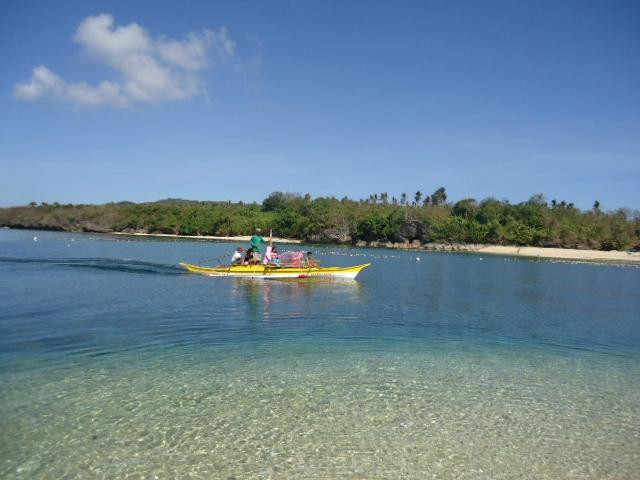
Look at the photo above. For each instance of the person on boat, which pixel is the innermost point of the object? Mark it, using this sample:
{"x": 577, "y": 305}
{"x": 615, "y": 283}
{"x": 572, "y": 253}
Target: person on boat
{"x": 268, "y": 254}
{"x": 256, "y": 245}
{"x": 236, "y": 259}
{"x": 311, "y": 261}
{"x": 248, "y": 258}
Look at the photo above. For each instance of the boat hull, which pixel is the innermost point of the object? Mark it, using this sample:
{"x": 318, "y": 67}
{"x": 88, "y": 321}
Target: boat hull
{"x": 274, "y": 271}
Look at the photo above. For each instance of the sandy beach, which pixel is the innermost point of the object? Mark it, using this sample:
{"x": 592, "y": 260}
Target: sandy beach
{"x": 561, "y": 253}
{"x": 568, "y": 254}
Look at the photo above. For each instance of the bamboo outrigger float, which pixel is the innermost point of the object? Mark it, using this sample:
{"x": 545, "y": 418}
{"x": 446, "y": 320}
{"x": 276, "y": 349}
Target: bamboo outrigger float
{"x": 275, "y": 271}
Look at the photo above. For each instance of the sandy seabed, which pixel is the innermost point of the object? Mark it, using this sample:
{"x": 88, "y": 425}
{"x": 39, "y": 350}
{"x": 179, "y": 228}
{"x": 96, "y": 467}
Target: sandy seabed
{"x": 446, "y": 414}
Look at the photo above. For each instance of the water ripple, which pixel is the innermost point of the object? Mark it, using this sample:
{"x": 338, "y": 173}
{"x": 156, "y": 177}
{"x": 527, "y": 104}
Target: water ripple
{"x": 108, "y": 264}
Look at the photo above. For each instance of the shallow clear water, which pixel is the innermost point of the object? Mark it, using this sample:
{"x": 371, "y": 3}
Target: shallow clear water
{"x": 114, "y": 363}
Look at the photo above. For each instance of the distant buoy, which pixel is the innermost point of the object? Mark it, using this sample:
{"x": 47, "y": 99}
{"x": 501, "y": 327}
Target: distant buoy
{"x": 35, "y": 239}
{"x": 480, "y": 258}
{"x": 417, "y": 259}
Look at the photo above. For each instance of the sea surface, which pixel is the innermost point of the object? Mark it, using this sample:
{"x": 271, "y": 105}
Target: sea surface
{"x": 116, "y": 363}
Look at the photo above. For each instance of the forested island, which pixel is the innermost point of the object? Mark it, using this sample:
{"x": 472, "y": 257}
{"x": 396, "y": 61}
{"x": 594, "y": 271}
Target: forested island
{"x": 376, "y": 221}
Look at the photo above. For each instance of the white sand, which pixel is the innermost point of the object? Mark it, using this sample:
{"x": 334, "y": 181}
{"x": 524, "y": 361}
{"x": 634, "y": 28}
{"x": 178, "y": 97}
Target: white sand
{"x": 560, "y": 253}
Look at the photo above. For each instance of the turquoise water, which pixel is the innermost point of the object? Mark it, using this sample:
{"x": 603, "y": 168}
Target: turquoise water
{"x": 114, "y": 363}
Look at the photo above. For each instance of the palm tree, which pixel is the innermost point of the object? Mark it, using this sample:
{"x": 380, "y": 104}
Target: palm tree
{"x": 418, "y": 197}
{"x": 403, "y": 199}
{"x": 439, "y": 197}
{"x": 385, "y": 198}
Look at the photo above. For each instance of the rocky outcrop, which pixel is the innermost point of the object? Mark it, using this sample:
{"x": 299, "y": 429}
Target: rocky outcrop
{"x": 412, "y": 230}
{"x": 93, "y": 227}
{"x": 453, "y": 247}
{"x": 551, "y": 244}
{"x": 331, "y": 235}
{"x": 32, "y": 226}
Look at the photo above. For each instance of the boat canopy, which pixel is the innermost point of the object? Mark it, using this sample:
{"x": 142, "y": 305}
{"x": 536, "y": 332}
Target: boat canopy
{"x": 292, "y": 259}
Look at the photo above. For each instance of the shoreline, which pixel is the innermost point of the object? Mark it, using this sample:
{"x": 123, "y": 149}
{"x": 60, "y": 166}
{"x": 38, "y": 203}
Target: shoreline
{"x": 546, "y": 253}
{"x": 237, "y": 238}
{"x": 542, "y": 253}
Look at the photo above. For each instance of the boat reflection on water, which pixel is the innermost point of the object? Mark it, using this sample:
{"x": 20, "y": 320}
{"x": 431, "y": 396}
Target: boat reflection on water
{"x": 282, "y": 298}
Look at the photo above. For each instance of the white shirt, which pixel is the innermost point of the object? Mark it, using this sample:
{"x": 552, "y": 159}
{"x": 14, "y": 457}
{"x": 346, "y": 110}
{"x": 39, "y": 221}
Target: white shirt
{"x": 267, "y": 255}
{"x": 236, "y": 256}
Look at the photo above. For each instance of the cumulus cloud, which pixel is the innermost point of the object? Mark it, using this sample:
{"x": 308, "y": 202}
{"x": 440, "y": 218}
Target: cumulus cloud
{"x": 148, "y": 69}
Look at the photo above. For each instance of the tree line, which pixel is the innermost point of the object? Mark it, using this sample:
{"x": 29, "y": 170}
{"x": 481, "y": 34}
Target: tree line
{"x": 416, "y": 219}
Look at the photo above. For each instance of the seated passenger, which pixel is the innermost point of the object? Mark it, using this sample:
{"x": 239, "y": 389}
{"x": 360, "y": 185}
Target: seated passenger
{"x": 311, "y": 261}
{"x": 236, "y": 259}
{"x": 275, "y": 258}
{"x": 268, "y": 254}
{"x": 248, "y": 258}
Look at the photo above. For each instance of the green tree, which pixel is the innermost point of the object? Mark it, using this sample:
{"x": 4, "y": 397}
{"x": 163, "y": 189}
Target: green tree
{"x": 537, "y": 199}
{"x": 439, "y": 197}
{"x": 465, "y": 208}
{"x": 274, "y": 202}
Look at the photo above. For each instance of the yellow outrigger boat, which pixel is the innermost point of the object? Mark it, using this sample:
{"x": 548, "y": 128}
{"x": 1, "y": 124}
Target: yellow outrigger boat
{"x": 275, "y": 271}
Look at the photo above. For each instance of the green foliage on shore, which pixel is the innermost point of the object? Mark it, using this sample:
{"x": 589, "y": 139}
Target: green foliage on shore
{"x": 426, "y": 218}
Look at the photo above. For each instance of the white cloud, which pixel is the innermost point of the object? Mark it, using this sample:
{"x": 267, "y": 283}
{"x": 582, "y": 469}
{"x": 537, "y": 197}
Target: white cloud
{"x": 148, "y": 69}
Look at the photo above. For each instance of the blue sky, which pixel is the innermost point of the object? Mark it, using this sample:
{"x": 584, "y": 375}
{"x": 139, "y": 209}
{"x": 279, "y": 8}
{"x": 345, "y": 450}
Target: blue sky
{"x": 230, "y": 101}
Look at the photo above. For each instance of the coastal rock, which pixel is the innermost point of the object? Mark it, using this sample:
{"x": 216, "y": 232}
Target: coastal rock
{"x": 361, "y": 243}
{"x": 95, "y": 228}
{"x": 32, "y": 226}
{"x": 450, "y": 247}
{"x": 412, "y": 230}
{"x": 551, "y": 244}
{"x": 331, "y": 235}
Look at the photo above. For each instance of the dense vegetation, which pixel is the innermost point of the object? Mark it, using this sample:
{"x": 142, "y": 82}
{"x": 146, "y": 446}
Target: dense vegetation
{"x": 422, "y": 219}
